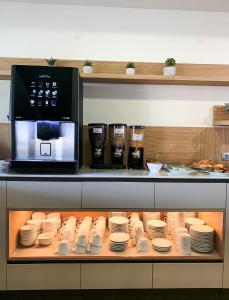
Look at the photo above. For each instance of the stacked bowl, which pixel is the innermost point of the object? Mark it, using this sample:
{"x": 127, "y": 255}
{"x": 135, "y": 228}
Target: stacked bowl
{"x": 28, "y": 235}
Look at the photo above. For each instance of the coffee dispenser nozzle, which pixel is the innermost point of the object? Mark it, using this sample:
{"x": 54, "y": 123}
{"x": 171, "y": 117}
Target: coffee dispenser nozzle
{"x": 48, "y": 130}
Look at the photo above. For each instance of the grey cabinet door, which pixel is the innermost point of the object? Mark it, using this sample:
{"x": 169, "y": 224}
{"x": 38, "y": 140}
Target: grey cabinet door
{"x": 2, "y": 235}
{"x": 118, "y": 195}
{"x": 43, "y": 276}
{"x": 116, "y": 276}
{"x": 169, "y": 195}
{"x": 43, "y": 194}
{"x": 187, "y": 275}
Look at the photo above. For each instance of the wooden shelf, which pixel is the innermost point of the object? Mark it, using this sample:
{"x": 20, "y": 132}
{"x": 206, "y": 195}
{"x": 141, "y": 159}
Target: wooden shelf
{"x": 153, "y": 79}
{"x": 146, "y": 73}
{"x": 48, "y": 253}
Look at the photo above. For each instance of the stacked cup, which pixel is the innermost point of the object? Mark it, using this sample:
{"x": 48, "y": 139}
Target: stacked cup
{"x": 183, "y": 240}
{"x": 67, "y": 231}
{"x": 49, "y": 225}
{"x": 97, "y": 235}
{"x": 36, "y": 223}
{"x": 28, "y": 235}
{"x": 133, "y": 219}
{"x": 82, "y": 235}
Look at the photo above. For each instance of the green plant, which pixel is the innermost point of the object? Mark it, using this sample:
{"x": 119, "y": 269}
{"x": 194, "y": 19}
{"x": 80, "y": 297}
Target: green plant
{"x": 170, "y": 62}
{"x": 130, "y": 65}
{"x": 51, "y": 61}
{"x": 88, "y": 63}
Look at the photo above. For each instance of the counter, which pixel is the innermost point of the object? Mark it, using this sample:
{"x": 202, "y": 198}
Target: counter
{"x": 95, "y": 191}
{"x": 115, "y": 175}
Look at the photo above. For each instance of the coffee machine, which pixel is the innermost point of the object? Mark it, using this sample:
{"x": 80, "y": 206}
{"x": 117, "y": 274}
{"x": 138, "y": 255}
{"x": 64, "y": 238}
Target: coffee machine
{"x": 46, "y": 113}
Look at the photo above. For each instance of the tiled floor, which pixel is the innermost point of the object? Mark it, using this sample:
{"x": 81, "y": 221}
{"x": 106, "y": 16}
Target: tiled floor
{"x": 196, "y": 294}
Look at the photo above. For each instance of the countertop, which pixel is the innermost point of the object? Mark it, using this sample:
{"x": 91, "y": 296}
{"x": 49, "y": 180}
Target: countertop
{"x": 115, "y": 175}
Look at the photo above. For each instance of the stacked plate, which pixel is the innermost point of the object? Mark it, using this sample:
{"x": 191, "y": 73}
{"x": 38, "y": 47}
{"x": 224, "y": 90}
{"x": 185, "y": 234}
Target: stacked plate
{"x": 156, "y": 229}
{"x": 28, "y": 235}
{"x": 150, "y": 215}
{"x": 192, "y": 221}
{"x": 161, "y": 245}
{"x": 118, "y": 241}
{"x": 118, "y": 224}
{"x": 202, "y": 237}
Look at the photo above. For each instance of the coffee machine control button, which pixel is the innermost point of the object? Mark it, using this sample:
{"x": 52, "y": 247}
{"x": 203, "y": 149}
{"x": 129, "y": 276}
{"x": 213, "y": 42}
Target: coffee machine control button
{"x": 32, "y": 102}
{"x": 54, "y": 93}
{"x": 40, "y": 93}
{"x": 47, "y": 93}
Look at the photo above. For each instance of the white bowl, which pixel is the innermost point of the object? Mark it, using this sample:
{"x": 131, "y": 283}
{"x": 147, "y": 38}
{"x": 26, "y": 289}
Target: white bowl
{"x": 45, "y": 238}
{"x": 39, "y": 215}
{"x": 53, "y": 215}
{"x": 154, "y": 167}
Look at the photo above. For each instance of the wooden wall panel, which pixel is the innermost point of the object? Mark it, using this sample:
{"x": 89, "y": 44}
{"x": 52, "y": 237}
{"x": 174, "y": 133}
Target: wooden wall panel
{"x": 171, "y": 144}
{"x": 5, "y": 137}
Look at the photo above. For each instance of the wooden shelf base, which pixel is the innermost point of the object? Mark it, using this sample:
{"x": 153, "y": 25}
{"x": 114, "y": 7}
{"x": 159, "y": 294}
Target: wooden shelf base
{"x": 47, "y": 253}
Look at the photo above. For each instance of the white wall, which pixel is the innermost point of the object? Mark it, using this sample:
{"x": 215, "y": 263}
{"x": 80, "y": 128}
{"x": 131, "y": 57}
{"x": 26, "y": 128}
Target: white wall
{"x": 123, "y": 34}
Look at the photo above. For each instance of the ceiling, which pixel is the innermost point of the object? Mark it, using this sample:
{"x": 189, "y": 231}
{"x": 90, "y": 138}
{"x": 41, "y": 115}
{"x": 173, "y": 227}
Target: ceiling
{"x": 198, "y": 5}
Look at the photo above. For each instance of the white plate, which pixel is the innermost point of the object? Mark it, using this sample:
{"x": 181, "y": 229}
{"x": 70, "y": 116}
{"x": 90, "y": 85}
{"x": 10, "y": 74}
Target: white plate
{"x": 119, "y": 237}
{"x": 161, "y": 243}
{"x": 217, "y": 174}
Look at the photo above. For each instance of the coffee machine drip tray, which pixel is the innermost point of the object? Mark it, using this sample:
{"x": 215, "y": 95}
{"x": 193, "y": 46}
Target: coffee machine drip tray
{"x": 47, "y": 166}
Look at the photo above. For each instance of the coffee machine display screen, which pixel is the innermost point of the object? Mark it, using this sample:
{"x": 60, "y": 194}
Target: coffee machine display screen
{"x": 42, "y": 93}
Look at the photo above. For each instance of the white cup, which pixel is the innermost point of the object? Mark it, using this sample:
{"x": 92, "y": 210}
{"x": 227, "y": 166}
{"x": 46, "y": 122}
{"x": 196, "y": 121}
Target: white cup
{"x": 80, "y": 249}
{"x": 70, "y": 221}
{"x": 38, "y": 215}
{"x": 53, "y": 215}
{"x": 95, "y": 249}
{"x": 82, "y": 240}
{"x": 64, "y": 247}
{"x": 96, "y": 238}
{"x": 143, "y": 245}
{"x": 4, "y": 166}
{"x": 67, "y": 233}
{"x": 116, "y": 213}
{"x": 184, "y": 243}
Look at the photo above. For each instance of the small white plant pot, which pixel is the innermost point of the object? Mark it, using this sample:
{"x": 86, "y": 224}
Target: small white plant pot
{"x": 130, "y": 71}
{"x": 88, "y": 69}
{"x": 169, "y": 71}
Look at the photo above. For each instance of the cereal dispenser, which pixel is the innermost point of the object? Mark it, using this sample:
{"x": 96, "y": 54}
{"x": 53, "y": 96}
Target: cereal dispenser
{"x": 136, "y": 147}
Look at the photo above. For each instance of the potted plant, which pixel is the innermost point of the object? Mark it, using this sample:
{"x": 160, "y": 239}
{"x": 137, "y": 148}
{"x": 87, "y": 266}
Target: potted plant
{"x": 88, "y": 67}
{"x": 170, "y": 67}
{"x": 130, "y": 68}
{"x": 51, "y": 61}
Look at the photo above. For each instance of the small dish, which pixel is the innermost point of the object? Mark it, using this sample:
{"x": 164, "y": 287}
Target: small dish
{"x": 154, "y": 167}
{"x": 45, "y": 238}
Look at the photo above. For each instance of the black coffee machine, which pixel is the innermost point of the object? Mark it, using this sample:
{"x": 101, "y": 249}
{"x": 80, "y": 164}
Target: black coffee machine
{"x": 46, "y": 113}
